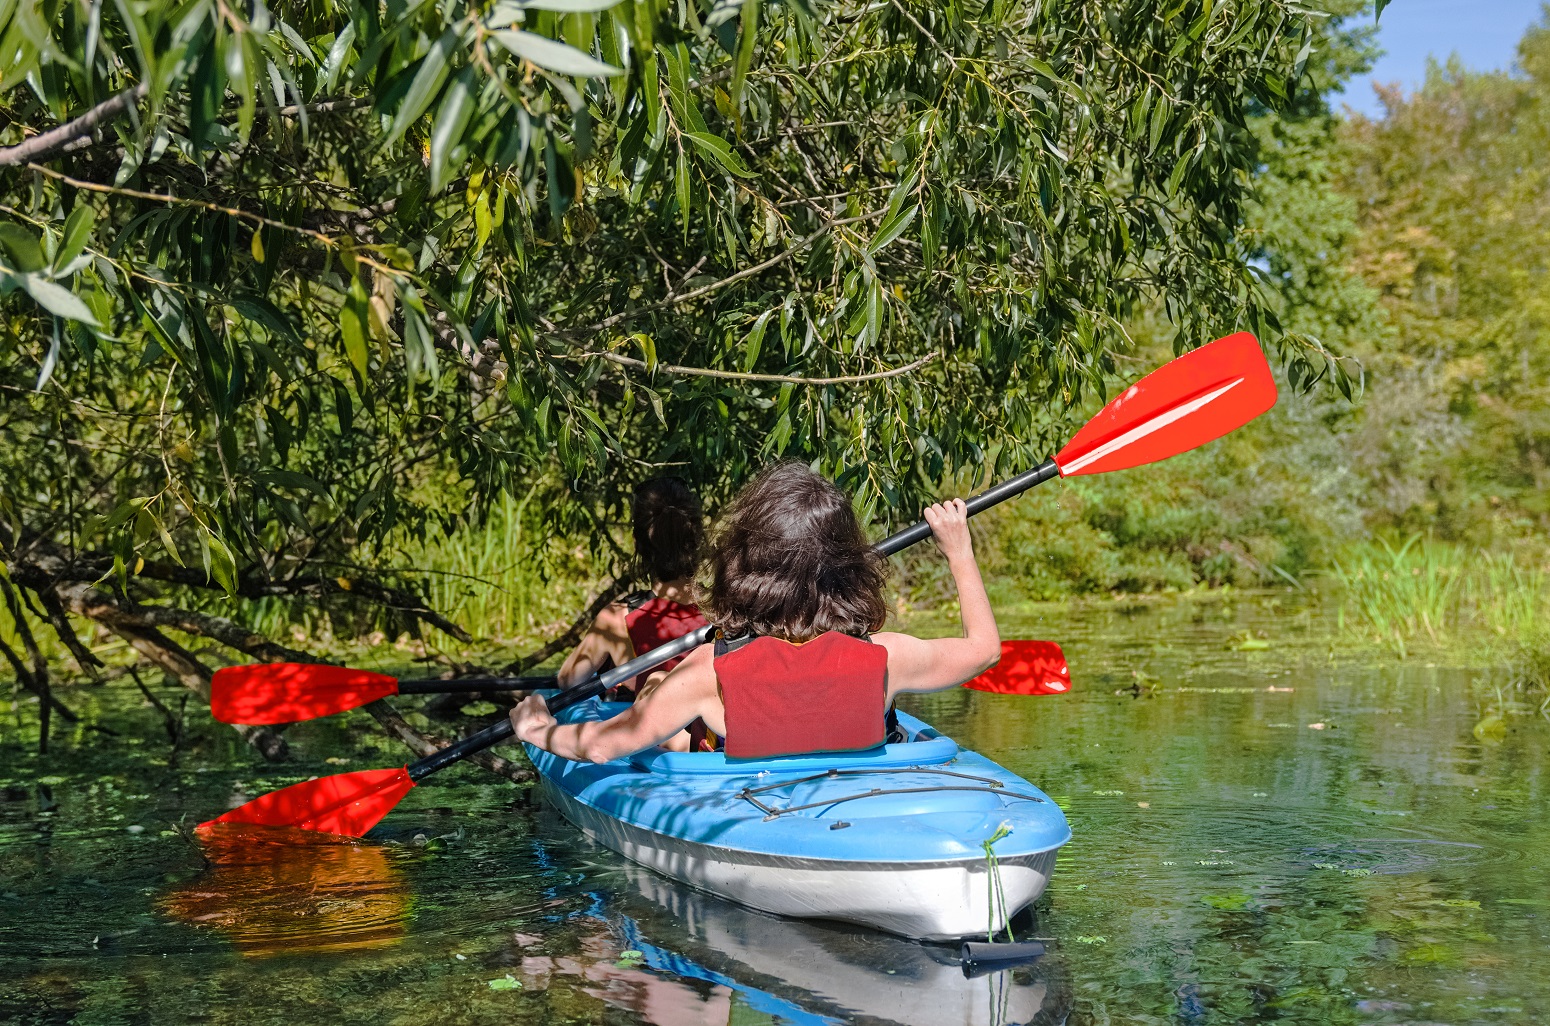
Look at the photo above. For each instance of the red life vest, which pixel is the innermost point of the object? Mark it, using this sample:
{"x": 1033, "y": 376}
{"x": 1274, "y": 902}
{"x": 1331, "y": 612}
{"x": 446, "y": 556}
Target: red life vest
{"x": 829, "y": 695}
{"x": 654, "y": 621}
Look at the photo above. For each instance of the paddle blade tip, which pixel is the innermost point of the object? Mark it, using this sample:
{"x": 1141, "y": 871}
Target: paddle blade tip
{"x": 1026, "y": 668}
{"x": 1187, "y": 402}
{"x": 262, "y": 694}
{"x": 346, "y": 804}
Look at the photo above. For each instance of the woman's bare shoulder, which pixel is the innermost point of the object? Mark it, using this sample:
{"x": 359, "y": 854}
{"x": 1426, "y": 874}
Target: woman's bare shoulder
{"x": 700, "y": 662}
{"x": 693, "y": 678}
{"x": 612, "y": 617}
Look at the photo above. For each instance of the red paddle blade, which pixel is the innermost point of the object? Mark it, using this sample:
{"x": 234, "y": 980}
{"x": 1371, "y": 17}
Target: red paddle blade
{"x": 1183, "y": 404}
{"x": 348, "y": 804}
{"x": 291, "y": 692}
{"x": 1026, "y": 668}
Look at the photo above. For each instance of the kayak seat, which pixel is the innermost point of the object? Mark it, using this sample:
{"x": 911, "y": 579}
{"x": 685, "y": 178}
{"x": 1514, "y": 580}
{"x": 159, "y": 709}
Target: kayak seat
{"x": 931, "y": 752}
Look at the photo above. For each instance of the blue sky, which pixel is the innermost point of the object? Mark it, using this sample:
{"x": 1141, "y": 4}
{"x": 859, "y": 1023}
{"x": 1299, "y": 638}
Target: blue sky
{"x": 1484, "y": 33}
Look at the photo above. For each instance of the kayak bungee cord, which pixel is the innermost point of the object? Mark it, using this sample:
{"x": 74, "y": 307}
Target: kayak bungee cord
{"x": 773, "y": 813}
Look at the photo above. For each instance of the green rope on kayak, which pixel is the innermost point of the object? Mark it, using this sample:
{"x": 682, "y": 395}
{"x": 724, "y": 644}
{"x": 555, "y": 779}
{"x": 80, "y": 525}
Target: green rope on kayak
{"x": 996, "y": 894}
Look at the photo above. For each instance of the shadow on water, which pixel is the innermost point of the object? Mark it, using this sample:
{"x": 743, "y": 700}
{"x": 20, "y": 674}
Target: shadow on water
{"x": 1277, "y": 832}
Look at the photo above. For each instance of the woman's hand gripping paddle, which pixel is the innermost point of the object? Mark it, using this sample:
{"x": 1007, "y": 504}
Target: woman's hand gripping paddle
{"x": 266, "y": 693}
{"x": 1186, "y": 403}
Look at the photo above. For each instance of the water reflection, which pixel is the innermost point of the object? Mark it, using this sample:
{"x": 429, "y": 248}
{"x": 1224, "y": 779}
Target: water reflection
{"x": 273, "y": 891}
{"x": 705, "y": 958}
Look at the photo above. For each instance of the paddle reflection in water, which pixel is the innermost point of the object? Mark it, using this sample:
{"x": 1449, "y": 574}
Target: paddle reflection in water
{"x": 704, "y": 957}
{"x": 279, "y": 891}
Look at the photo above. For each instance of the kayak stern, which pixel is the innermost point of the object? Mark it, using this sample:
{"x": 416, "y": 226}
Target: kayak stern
{"x": 942, "y": 901}
{"x": 894, "y": 838}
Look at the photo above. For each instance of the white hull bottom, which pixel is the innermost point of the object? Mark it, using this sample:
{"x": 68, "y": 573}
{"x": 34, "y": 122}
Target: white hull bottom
{"x": 938, "y": 901}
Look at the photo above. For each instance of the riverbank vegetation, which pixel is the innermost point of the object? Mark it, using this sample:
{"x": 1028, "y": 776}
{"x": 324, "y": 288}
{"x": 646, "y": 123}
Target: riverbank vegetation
{"x": 361, "y": 331}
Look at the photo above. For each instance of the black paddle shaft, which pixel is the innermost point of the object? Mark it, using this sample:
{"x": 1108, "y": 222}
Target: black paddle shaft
{"x": 471, "y": 685}
{"x": 595, "y": 685}
{"x": 1008, "y": 489}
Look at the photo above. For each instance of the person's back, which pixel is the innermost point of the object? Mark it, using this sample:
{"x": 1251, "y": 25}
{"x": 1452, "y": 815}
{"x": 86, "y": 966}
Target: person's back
{"x": 668, "y": 530}
{"x": 802, "y": 666}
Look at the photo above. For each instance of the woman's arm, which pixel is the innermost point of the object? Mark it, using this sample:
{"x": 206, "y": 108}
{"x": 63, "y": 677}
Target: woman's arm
{"x": 915, "y": 664}
{"x": 607, "y": 638}
{"x": 683, "y": 695}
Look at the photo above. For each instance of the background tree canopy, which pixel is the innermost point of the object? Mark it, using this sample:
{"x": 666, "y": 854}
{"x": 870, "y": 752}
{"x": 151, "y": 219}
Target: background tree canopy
{"x": 287, "y": 286}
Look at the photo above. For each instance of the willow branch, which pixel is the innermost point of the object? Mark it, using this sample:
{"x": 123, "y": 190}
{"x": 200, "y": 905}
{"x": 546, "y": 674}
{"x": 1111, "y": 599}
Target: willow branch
{"x": 163, "y": 197}
{"x": 218, "y": 628}
{"x": 175, "y": 660}
{"x": 747, "y": 272}
{"x": 48, "y": 570}
{"x": 47, "y": 145}
{"x": 572, "y": 636}
{"x": 788, "y": 379}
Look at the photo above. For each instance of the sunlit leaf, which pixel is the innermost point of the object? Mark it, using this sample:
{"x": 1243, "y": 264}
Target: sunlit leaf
{"x": 553, "y": 55}
{"x": 57, "y": 299}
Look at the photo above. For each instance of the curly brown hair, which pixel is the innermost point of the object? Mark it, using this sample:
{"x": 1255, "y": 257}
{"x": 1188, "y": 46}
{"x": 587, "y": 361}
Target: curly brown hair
{"x": 790, "y": 560}
{"x": 669, "y": 528}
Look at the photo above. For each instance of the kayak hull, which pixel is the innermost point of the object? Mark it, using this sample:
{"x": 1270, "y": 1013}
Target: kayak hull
{"x": 892, "y": 840}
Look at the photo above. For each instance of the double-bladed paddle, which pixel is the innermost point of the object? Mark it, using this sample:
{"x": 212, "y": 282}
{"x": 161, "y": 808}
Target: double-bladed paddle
{"x": 269, "y": 693}
{"x": 1186, "y": 403}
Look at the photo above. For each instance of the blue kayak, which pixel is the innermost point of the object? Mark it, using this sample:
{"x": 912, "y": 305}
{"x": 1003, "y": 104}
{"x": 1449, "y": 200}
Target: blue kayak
{"x": 892, "y": 838}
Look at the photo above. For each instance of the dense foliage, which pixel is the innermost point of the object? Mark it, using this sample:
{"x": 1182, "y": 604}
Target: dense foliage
{"x": 1417, "y": 244}
{"x": 293, "y": 283}
{"x": 1455, "y": 233}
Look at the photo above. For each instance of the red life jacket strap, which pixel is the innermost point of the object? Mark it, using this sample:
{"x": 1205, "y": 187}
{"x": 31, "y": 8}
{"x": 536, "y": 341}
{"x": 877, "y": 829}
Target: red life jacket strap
{"x": 829, "y": 695}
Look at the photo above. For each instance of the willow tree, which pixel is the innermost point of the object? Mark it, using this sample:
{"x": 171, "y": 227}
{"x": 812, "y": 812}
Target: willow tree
{"x": 285, "y": 283}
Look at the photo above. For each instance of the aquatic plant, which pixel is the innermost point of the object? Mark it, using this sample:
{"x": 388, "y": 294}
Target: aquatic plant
{"x": 1446, "y": 595}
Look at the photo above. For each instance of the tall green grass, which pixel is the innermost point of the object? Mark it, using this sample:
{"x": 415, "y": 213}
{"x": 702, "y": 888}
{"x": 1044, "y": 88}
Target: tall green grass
{"x": 507, "y": 580}
{"x": 1423, "y": 592}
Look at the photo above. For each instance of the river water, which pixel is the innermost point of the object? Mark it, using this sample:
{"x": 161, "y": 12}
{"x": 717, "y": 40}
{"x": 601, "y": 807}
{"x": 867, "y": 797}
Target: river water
{"x": 1269, "y": 827}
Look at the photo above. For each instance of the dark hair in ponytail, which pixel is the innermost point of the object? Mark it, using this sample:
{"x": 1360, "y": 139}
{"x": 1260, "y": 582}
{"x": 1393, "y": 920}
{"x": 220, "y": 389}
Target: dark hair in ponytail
{"x": 790, "y": 560}
{"x": 669, "y": 528}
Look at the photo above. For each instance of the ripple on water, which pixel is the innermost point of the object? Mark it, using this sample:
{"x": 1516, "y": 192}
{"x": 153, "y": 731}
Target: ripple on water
{"x": 1264, "y": 833}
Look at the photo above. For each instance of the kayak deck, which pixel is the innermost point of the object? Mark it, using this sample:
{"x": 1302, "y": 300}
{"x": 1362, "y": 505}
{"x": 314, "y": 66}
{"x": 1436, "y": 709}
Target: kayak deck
{"x": 892, "y": 838}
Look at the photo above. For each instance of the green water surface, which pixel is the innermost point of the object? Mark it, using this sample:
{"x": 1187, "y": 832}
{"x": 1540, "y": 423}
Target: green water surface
{"x": 1282, "y": 830}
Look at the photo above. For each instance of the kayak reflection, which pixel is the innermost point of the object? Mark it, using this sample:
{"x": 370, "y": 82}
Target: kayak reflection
{"x": 675, "y": 956}
{"x": 832, "y": 973}
{"x": 280, "y": 891}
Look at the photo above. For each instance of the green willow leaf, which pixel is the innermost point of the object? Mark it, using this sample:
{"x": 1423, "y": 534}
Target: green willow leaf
{"x": 457, "y": 108}
{"x": 353, "y": 327}
{"x": 508, "y": 11}
{"x": 278, "y": 476}
{"x": 426, "y": 84}
{"x": 57, "y": 299}
{"x": 717, "y": 149}
{"x": 78, "y": 228}
{"x": 333, "y": 64}
{"x": 223, "y": 566}
{"x": 552, "y": 55}
{"x": 892, "y": 228}
{"x": 20, "y": 248}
